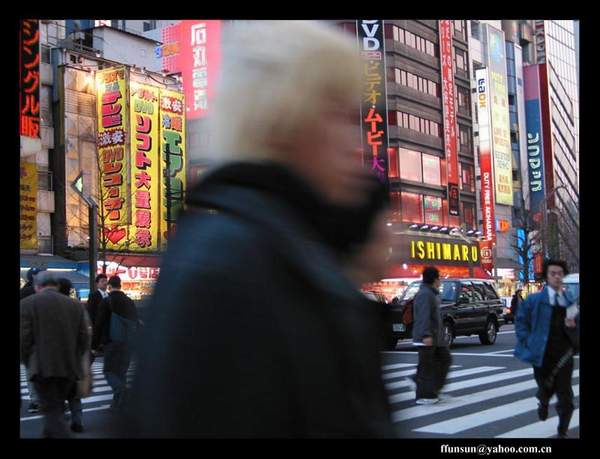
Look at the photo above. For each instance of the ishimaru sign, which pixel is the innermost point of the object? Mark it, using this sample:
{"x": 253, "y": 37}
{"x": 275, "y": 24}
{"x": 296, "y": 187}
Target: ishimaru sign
{"x": 374, "y": 97}
{"x": 436, "y": 251}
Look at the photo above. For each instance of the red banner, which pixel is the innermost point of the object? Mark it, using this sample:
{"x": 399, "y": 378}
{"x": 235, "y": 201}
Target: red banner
{"x": 449, "y": 107}
{"x": 29, "y": 82}
{"x": 200, "y": 59}
{"x": 487, "y": 255}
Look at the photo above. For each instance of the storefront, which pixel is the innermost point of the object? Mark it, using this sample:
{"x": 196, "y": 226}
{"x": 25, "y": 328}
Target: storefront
{"x": 138, "y": 273}
{"x": 413, "y": 252}
{"x": 60, "y": 267}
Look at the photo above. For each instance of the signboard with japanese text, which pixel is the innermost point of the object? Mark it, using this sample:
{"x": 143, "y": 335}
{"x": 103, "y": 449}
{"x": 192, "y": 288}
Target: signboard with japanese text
{"x": 28, "y": 188}
{"x": 113, "y": 154}
{"x": 449, "y": 109}
{"x": 173, "y": 157}
{"x": 535, "y": 140}
{"x": 170, "y": 50}
{"x": 200, "y": 60}
{"x": 145, "y": 167}
{"x": 29, "y": 80}
{"x": 501, "y": 146}
{"x": 485, "y": 156}
{"x": 540, "y": 41}
{"x": 374, "y": 118}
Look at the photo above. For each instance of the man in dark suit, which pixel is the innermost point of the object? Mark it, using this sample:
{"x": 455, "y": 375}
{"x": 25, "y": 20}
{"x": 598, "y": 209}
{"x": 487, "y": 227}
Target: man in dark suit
{"x": 55, "y": 332}
{"x": 96, "y": 298}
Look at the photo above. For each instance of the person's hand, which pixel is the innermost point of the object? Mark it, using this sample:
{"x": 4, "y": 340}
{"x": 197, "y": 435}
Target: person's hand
{"x": 570, "y": 323}
{"x": 428, "y": 341}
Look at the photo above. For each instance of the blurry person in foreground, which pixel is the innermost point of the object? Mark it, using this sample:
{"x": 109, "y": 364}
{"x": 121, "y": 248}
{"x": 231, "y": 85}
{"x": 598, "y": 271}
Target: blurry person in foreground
{"x": 257, "y": 327}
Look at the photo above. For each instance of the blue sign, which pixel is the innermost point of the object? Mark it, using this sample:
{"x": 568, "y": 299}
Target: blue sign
{"x": 522, "y": 241}
{"x": 535, "y": 154}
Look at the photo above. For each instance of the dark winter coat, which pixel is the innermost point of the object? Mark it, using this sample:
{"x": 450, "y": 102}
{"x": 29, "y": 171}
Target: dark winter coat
{"x": 55, "y": 333}
{"x": 27, "y": 290}
{"x": 93, "y": 304}
{"x": 427, "y": 316}
{"x": 253, "y": 330}
{"x": 118, "y": 303}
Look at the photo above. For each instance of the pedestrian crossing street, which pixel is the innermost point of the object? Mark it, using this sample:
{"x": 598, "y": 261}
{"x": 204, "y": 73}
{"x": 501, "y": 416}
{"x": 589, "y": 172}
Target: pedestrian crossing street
{"x": 99, "y": 399}
{"x": 483, "y": 401}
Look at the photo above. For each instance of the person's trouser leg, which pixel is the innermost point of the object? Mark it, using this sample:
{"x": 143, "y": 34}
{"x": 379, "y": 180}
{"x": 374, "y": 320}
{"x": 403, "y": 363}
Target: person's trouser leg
{"x": 443, "y": 361}
{"x": 33, "y": 397}
{"x": 544, "y": 392}
{"x": 76, "y": 411}
{"x": 564, "y": 394}
{"x": 116, "y": 362}
{"x": 52, "y": 394}
{"x": 425, "y": 373}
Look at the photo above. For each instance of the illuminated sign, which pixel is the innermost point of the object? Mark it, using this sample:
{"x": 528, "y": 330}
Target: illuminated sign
{"x": 485, "y": 156}
{"x": 29, "y": 81}
{"x": 502, "y": 226}
{"x": 170, "y": 50}
{"x": 113, "y": 155}
{"x": 129, "y": 273}
{"x": 498, "y": 102}
{"x": 540, "y": 41}
{"x": 28, "y": 189}
{"x": 145, "y": 167}
{"x": 433, "y": 250}
{"x": 449, "y": 109}
{"x": 487, "y": 255}
{"x": 374, "y": 98}
{"x": 173, "y": 157}
{"x": 200, "y": 60}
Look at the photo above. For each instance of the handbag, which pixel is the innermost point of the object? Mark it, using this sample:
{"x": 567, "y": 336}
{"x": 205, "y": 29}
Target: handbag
{"x": 83, "y": 387}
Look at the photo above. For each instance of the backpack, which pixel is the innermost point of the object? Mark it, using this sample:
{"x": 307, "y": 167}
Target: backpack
{"x": 121, "y": 329}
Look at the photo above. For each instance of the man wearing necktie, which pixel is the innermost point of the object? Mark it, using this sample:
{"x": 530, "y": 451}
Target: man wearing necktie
{"x": 545, "y": 339}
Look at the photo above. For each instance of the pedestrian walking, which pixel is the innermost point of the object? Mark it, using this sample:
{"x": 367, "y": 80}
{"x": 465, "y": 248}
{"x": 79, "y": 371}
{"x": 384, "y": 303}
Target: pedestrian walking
{"x": 428, "y": 336}
{"x": 54, "y": 338}
{"x": 516, "y": 301}
{"x": 97, "y": 296}
{"x": 74, "y": 403}
{"x": 547, "y": 337}
{"x": 115, "y": 329}
{"x": 256, "y": 327}
{"x": 28, "y": 290}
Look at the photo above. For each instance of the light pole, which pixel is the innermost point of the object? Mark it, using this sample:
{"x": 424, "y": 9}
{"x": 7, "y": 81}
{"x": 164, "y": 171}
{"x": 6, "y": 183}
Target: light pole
{"x": 457, "y": 232}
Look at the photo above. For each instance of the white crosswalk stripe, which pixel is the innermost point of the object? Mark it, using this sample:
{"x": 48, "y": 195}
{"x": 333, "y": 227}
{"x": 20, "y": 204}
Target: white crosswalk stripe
{"x": 460, "y": 413}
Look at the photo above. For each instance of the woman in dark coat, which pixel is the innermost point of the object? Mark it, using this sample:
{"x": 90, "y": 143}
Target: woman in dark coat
{"x": 257, "y": 327}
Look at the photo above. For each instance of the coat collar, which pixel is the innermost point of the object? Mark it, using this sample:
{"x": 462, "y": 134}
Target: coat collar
{"x": 546, "y": 297}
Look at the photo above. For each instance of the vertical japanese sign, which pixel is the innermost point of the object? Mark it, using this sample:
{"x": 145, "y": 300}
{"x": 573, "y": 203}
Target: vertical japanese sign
{"x": 29, "y": 81}
{"x": 449, "y": 109}
{"x": 113, "y": 155}
{"x": 200, "y": 60}
{"x": 374, "y": 97}
{"x": 540, "y": 41}
{"x": 501, "y": 147}
{"x": 485, "y": 164}
{"x": 173, "y": 152}
{"x": 145, "y": 167}
{"x": 28, "y": 204}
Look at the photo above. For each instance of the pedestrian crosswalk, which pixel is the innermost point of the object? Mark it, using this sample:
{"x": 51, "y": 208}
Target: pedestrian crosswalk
{"x": 482, "y": 401}
{"x": 101, "y": 392}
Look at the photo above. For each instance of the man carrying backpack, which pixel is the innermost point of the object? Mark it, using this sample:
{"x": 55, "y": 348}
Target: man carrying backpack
{"x": 115, "y": 328}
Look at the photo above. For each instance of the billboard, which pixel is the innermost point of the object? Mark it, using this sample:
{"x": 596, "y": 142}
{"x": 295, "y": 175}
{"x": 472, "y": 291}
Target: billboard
{"x": 540, "y": 41}
{"x": 485, "y": 155}
{"x": 374, "y": 129}
{"x": 145, "y": 167}
{"x": 170, "y": 49}
{"x": 449, "y": 109}
{"x": 29, "y": 80}
{"x": 113, "y": 154}
{"x": 173, "y": 156}
{"x": 498, "y": 102}
{"x": 200, "y": 60}
{"x": 28, "y": 188}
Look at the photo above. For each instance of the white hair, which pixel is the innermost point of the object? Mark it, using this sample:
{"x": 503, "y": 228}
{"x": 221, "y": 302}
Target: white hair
{"x": 276, "y": 78}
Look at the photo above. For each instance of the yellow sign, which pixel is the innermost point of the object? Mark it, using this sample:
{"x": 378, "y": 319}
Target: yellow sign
{"x": 173, "y": 152}
{"x": 443, "y": 251}
{"x": 28, "y": 202}
{"x": 145, "y": 167}
{"x": 113, "y": 156}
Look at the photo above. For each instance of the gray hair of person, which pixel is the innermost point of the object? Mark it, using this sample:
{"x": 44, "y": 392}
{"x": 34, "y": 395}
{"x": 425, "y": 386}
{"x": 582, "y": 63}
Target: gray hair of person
{"x": 277, "y": 78}
{"x": 45, "y": 279}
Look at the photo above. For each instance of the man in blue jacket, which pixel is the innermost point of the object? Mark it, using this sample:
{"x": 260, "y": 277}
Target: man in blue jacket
{"x": 545, "y": 339}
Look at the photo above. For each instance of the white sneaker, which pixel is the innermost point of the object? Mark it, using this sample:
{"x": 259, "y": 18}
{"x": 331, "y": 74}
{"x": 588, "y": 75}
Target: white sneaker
{"x": 427, "y": 401}
{"x": 445, "y": 398}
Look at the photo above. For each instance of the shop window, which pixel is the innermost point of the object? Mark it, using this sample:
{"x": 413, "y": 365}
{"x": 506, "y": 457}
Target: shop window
{"x": 395, "y": 207}
{"x": 431, "y": 170}
{"x": 410, "y": 165}
{"x": 412, "y": 207}
{"x": 433, "y": 210}
{"x": 393, "y": 162}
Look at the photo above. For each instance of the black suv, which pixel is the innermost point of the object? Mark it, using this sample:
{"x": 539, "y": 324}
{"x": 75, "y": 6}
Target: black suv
{"x": 469, "y": 306}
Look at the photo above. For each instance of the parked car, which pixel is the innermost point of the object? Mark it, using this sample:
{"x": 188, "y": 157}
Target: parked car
{"x": 469, "y": 307}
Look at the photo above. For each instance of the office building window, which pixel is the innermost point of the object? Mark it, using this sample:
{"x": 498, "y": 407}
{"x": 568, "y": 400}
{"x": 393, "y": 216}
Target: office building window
{"x": 393, "y": 163}
{"x": 418, "y": 124}
{"x": 459, "y": 29}
{"x": 395, "y": 208}
{"x": 468, "y": 214}
{"x": 467, "y": 177}
{"x": 412, "y": 207}
{"x": 463, "y": 100}
{"x": 415, "y": 82}
{"x": 410, "y": 165}
{"x": 475, "y": 30}
{"x": 465, "y": 140}
{"x": 460, "y": 60}
{"x": 432, "y": 207}
{"x": 393, "y": 32}
{"x": 431, "y": 170}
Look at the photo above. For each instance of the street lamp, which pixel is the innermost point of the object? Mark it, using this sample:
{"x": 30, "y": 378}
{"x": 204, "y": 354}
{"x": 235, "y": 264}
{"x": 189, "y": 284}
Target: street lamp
{"x": 457, "y": 232}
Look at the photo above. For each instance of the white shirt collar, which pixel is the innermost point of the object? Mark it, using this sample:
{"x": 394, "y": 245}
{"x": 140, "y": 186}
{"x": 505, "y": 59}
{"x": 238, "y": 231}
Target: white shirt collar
{"x": 552, "y": 296}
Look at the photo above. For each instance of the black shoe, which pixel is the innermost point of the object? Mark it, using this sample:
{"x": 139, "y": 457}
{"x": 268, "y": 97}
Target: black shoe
{"x": 542, "y": 411}
{"x": 562, "y": 435}
{"x": 33, "y": 408}
{"x": 78, "y": 428}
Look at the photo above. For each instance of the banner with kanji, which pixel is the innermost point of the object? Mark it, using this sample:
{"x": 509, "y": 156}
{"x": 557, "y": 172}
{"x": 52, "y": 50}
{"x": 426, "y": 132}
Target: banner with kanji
{"x": 28, "y": 185}
{"x": 113, "y": 155}
{"x": 374, "y": 118}
{"x": 145, "y": 167}
{"x": 29, "y": 81}
{"x": 173, "y": 153}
